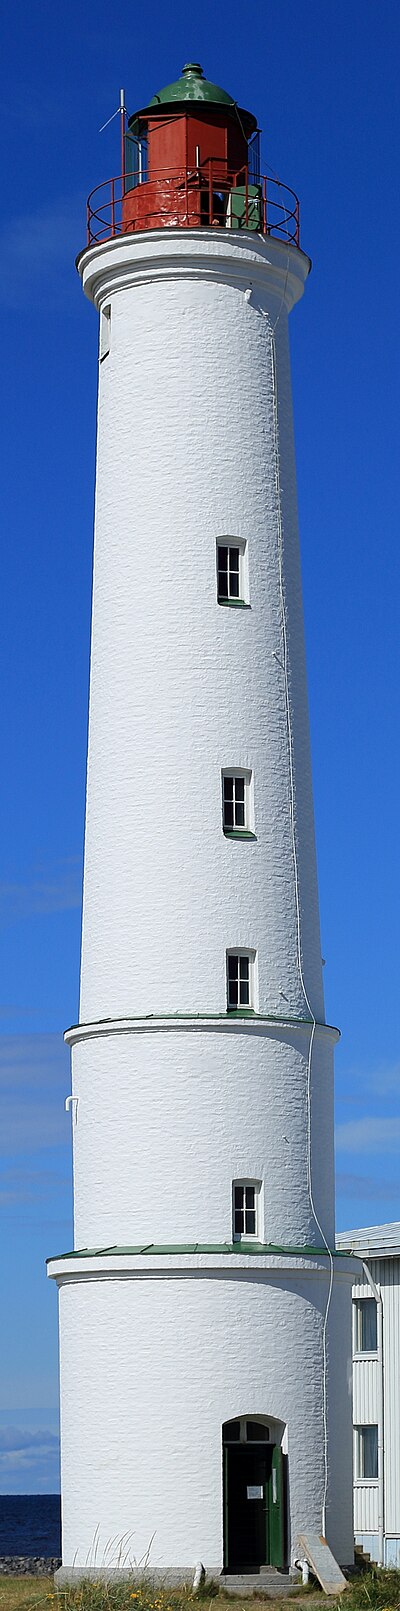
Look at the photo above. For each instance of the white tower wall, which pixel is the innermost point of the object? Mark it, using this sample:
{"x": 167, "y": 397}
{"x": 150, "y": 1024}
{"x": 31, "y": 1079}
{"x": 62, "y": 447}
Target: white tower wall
{"x": 181, "y": 687}
{"x": 179, "y": 1111}
{"x": 174, "y": 1098}
{"x": 144, "y": 1467}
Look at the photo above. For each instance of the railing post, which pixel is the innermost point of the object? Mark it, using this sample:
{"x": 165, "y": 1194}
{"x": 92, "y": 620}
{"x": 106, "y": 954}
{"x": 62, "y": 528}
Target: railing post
{"x": 210, "y": 193}
{"x": 113, "y": 206}
{"x": 247, "y": 197}
{"x": 265, "y": 206}
{"x": 88, "y": 216}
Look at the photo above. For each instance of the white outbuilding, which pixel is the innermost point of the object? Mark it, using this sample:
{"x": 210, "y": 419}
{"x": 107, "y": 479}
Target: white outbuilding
{"x": 376, "y": 1390}
{"x": 204, "y": 1314}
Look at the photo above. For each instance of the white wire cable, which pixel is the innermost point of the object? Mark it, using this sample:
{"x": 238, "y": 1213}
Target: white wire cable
{"x": 298, "y": 921}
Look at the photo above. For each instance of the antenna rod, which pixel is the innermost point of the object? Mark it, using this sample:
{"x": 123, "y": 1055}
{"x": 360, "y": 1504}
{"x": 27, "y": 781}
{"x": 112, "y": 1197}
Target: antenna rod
{"x": 122, "y": 109}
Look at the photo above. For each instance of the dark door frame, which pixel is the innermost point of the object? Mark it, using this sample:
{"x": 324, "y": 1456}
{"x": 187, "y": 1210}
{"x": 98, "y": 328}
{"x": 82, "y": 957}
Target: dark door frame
{"x": 273, "y": 1502}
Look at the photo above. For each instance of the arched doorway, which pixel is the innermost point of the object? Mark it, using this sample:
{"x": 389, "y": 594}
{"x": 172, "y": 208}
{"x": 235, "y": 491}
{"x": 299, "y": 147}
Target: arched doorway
{"x": 253, "y": 1494}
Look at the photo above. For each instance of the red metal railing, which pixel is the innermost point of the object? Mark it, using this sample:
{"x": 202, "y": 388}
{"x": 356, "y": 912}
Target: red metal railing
{"x": 193, "y": 197}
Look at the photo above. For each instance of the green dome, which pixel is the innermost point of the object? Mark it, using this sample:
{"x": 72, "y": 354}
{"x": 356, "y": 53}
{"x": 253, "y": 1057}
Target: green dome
{"x": 192, "y": 86}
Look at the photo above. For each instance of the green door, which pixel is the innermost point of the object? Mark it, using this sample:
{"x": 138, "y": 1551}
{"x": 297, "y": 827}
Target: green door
{"x": 245, "y": 214}
{"x": 246, "y": 1506}
{"x": 275, "y": 1496}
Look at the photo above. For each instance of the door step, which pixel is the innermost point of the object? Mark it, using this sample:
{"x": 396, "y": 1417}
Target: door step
{"x": 268, "y": 1582}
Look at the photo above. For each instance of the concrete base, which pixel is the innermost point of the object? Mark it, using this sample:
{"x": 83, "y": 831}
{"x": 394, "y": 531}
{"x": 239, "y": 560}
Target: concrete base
{"x": 269, "y": 1582}
{"x": 170, "y": 1576}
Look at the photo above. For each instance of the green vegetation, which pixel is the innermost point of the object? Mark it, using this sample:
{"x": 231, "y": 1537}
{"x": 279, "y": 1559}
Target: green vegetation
{"x": 378, "y": 1589}
{"x": 372, "y": 1590}
{"x": 23, "y": 1593}
{"x": 41, "y": 1594}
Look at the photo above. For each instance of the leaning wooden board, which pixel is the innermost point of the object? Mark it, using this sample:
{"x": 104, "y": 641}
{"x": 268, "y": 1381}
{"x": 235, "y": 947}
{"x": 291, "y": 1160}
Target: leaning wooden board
{"x": 316, "y": 1551}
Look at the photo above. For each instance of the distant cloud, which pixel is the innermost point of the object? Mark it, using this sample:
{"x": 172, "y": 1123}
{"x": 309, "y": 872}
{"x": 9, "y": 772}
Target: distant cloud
{"x": 26, "y": 1185}
{"x": 369, "y": 1135}
{"x": 9, "y": 1009}
{"x": 368, "y": 1187}
{"x": 34, "y": 1079}
{"x": 28, "y": 1457}
{"x": 381, "y": 1079}
{"x": 13, "y": 1439}
{"x": 38, "y": 249}
{"x": 49, "y": 890}
{"x": 385, "y": 1080}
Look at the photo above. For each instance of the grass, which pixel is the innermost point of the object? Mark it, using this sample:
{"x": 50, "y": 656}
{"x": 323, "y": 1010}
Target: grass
{"x": 377, "y": 1589}
{"x": 27, "y": 1593}
{"x": 23, "y": 1593}
{"x": 372, "y": 1590}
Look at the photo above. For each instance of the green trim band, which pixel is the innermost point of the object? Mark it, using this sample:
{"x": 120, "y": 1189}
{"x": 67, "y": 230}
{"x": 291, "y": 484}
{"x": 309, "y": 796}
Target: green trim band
{"x": 205, "y": 1017}
{"x": 256, "y": 1249}
{"x": 240, "y": 1019}
{"x": 240, "y": 1012}
{"x": 234, "y": 604}
{"x": 239, "y": 833}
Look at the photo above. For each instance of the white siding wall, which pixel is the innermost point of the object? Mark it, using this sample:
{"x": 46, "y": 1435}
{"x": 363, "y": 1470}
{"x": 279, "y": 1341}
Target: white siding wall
{"x": 365, "y": 1413}
{"x": 386, "y": 1274}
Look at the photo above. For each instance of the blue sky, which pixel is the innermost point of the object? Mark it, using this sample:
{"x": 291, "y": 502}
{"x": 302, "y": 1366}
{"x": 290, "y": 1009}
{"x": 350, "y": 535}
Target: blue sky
{"x": 323, "y": 79}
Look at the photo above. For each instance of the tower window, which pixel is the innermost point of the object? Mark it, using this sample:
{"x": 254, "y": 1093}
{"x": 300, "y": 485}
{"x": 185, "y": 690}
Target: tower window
{"x": 236, "y": 802}
{"x": 367, "y": 1453}
{"x": 231, "y": 572}
{"x": 105, "y": 331}
{"x": 246, "y": 1200}
{"x": 240, "y": 980}
{"x": 243, "y": 1431}
{"x": 228, "y": 573}
{"x": 365, "y": 1326}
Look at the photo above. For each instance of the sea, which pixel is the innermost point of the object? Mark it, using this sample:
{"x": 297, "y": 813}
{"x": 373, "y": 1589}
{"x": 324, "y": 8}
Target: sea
{"x": 30, "y": 1524}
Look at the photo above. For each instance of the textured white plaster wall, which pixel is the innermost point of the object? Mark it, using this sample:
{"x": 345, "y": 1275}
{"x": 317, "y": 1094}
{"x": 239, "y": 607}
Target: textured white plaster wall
{"x": 180, "y": 686}
{"x": 150, "y": 1369}
{"x": 166, "y": 1119}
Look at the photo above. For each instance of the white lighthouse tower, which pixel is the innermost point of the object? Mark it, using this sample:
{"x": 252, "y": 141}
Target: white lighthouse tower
{"x": 204, "y": 1319}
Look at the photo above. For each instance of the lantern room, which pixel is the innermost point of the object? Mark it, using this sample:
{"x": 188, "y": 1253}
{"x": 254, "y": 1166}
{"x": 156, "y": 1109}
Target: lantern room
{"x": 191, "y": 158}
{"x": 185, "y": 154}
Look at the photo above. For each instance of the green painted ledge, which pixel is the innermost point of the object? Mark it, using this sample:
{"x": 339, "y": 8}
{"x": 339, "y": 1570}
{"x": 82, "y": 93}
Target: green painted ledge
{"x": 234, "y": 604}
{"x": 208, "y": 1018}
{"x": 257, "y": 1250}
{"x": 239, "y": 833}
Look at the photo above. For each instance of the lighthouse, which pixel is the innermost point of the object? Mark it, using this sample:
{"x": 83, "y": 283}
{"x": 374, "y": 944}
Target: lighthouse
{"x": 204, "y": 1316}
